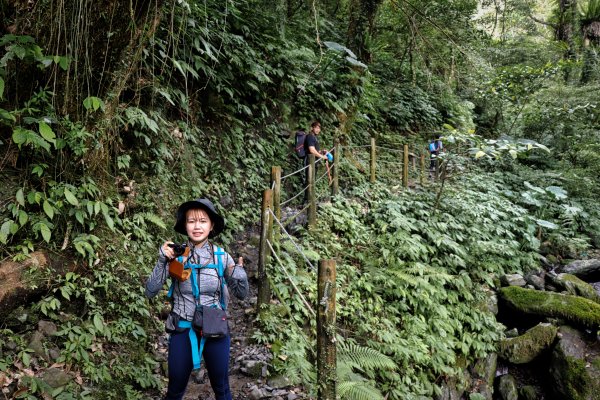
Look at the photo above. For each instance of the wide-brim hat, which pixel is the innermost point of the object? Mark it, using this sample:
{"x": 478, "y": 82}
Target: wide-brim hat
{"x": 206, "y": 205}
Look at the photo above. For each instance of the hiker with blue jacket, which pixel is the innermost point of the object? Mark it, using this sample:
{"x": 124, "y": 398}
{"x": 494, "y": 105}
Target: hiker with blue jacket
{"x": 435, "y": 148}
{"x": 202, "y": 276}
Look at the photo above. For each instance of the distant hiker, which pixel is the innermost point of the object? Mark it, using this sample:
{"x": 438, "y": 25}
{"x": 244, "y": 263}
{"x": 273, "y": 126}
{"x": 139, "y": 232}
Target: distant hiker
{"x": 311, "y": 146}
{"x": 435, "y": 147}
{"x": 202, "y": 274}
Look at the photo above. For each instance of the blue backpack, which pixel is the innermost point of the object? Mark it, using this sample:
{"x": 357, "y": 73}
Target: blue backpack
{"x": 434, "y": 146}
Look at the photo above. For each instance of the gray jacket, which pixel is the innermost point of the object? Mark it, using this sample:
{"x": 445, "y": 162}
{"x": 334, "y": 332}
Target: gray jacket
{"x": 184, "y": 303}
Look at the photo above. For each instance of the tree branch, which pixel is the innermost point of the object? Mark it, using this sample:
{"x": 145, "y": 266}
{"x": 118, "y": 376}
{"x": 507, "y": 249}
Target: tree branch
{"x": 539, "y": 21}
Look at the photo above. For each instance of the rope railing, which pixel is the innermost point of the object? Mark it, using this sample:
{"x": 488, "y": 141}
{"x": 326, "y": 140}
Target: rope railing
{"x": 293, "y": 173}
{"x": 274, "y": 231}
{"x": 274, "y": 253}
{"x": 286, "y": 221}
{"x": 291, "y": 239}
{"x": 295, "y": 196}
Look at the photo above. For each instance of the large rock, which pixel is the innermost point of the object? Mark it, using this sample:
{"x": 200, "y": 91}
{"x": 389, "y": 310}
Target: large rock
{"x": 537, "y": 280}
{"x": 512, "y": 280}
{"x": 575, "y": 286}
{"x": 56, "y": 377}
{"x": 574, "y": 309}
{"x": 484, "y": 372}
{"x": 588, "y": 270}
{"x": 575, "y": 366}
{"x": 525, "y": 348}
{"x": 507, "y": 388}
{"x": 14, "y": 290}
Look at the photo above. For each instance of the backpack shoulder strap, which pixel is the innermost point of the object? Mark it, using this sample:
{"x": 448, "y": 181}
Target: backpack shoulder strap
{"x": 219, "y": 253}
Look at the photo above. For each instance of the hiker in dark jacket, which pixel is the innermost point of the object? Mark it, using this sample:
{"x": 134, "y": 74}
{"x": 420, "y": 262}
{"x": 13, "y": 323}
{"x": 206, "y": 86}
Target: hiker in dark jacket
{"x": 212, "y": 274}
{"x": 311, "y": 146}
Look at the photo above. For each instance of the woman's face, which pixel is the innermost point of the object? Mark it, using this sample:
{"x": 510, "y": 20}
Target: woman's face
{"x": 197, "y": 225}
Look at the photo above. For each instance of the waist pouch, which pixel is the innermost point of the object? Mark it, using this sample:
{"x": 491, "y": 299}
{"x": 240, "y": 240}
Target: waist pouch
{"x": 172, "y": 323}
{"x": 210, "y": 322}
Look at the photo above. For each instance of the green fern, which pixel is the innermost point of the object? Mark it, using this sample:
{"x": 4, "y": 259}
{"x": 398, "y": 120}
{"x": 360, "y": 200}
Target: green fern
{"x": 358, "y": 390}
{"x": 363, "y": 358}
{"x": 155, "y": 219}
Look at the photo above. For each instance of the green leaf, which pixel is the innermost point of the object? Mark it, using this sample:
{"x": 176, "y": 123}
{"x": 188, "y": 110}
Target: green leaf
{"x": 23, "y": 218}
{"x": 558, "y": 192}
{"x": 71, "y": 198}
{"x": 26, "y": 359}
{"x": 1, "y": 88}
{"x": 109, "y": 221}
{"x": 45, "y": 231}
{"x": 64, "y": 63}
{"x": 47, "y": 132}
{"x": 479, "y": 154}
{"x": 546, "y": 224}
{"x": 5, "y": 230}
{"x": 98, "y": 323}
{"x": 355, "y": 62}
{"x": 48, "y": 209}
{"x": 25, "y": 136}
{"x": 93, "y": 103}
{"x": 6, "y": 115}
{"x": 20, "y": 197}
{"x": 79, "y": 217}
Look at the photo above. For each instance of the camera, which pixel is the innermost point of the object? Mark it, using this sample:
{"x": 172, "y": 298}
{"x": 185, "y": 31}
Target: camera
{"x": 178, "y": 249}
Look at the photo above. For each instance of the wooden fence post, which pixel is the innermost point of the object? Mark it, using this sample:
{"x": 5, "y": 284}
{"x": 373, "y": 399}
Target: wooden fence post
{"x": 326, "y": 343}
{"x": 335, "y": 188}
{"x": 372, "y": 160}
{"x": 312, "y": 201}
{"x": 405, "y": 166}
{"x": 276, "y": 178}
{"x": 264, "y": 253}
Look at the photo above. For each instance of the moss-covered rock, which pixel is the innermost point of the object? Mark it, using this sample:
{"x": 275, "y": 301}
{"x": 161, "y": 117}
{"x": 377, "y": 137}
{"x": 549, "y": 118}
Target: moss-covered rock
{"x": 507, "y": 388}
{"x": 528, "y": 393}
{"x": 574, "y": 309}
{"x": 525, "y": 348}
{"x": 484, "y": 372}
{"x": 573, "y": 368}
{"x": 575, "y": 286}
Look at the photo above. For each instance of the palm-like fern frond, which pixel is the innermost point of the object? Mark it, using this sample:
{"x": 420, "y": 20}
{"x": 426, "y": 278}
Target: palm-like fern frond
{"x": 363, "y": 358}
{"x": 358, "y": 390}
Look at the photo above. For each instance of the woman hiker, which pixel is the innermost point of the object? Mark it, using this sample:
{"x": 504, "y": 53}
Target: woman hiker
{"x": 202, "y": 277}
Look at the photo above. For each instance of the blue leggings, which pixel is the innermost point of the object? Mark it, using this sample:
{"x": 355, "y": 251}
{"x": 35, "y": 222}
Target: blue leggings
{"x": 216, "y": 359}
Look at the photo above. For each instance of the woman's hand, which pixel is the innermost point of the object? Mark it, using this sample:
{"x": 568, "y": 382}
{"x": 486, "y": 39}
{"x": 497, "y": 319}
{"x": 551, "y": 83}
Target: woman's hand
{"x": 240, "y": 261}
{"x": 167, "y": 251}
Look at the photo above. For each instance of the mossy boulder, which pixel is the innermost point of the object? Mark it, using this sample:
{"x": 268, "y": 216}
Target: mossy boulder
{"x": 574, "y": 370}
{"x": 574, "y": 309}
{"x": 484, "y": 372}
{"x": 525, "y": 348}
{"x": 575, "y": 286}
{"x": 507, "y": 388}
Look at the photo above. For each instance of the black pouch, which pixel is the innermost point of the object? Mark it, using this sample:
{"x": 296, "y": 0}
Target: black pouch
{"x": 172, "y": 323}
{"x": 197, "y": 320}
{"x": 214, "y": 322}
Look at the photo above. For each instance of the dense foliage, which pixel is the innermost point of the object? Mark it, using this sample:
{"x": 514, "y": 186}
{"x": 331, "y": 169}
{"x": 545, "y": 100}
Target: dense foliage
{"x": 108, "y": 122}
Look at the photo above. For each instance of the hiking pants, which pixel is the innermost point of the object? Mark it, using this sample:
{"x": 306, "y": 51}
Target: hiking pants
{"x": 215, "y": 358}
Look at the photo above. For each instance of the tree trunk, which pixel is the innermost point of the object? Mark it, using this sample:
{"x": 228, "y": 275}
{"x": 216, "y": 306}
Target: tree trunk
{"x": 360, "y": 27}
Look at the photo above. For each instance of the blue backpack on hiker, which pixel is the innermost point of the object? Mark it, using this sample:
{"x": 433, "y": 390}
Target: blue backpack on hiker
{"x": 434, "y": 147}
{"x": 299, "y": 144}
